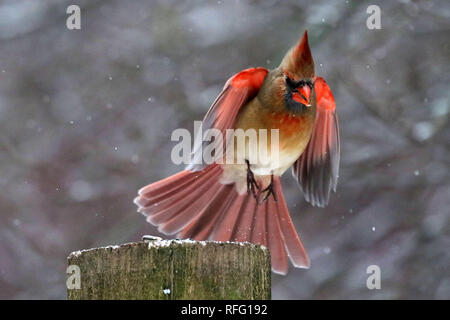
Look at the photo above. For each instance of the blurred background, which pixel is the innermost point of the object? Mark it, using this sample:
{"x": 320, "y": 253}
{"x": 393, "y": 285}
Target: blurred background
{"x": 86, "y": 117}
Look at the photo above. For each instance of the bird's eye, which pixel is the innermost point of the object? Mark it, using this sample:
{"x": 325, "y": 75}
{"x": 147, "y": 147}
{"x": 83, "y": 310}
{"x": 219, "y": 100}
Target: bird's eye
{"x": 290, "y": 83}
{"x": 295, "y": 86}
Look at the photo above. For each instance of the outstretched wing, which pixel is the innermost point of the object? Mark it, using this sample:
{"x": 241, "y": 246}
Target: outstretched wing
{"x": 238, "y": 90}
{"x": 317, "y": 169}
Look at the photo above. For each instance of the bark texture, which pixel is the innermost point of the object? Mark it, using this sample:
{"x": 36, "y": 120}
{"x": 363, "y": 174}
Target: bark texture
{"x": 173, "y": 269}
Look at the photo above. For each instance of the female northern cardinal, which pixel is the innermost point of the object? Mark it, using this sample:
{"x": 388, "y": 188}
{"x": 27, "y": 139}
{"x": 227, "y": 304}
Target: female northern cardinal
{"x": 222, "y": 201}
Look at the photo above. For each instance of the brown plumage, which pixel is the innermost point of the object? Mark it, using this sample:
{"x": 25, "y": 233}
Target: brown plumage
{"x": 243, "y": 201}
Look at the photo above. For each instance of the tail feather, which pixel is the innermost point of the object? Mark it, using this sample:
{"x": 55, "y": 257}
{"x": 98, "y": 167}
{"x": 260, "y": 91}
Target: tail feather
{"x": 275, "y": 240}
{"x": 169, "y": 183}
{"x": 224, "y": 229}
{"x": 243, "y": 226}
{"x": 294, "y": 245}
{"x": 194, "y": 209}
{"x": 163, "y": 189}
{"x": 202, "y": 227}
{"x": 174, "y": 203}
{"x": 194, "y": 194}
{"x": 179, "y": 204}
{"x": 259, "y": 232}
{"x": 196, "y": 205}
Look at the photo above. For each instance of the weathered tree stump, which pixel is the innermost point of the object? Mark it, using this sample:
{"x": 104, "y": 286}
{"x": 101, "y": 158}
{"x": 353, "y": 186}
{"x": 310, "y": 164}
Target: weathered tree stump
{"x": 173, "y": 269}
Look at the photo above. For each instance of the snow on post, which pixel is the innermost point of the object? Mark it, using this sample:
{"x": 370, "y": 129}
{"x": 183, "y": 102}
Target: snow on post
{"x": 171, "y": 269}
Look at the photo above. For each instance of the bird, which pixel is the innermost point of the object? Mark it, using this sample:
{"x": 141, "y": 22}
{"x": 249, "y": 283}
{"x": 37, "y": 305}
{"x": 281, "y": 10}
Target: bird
{"x": 243, "y": 201}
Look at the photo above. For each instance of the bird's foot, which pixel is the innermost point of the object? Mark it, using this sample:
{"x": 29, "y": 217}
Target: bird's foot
{"x": 269, "y": 190}
{"x": 252, "y": 185}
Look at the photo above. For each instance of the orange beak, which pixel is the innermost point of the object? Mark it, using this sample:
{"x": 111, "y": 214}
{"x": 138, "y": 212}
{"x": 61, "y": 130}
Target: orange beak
{"x": 302, "y": 95}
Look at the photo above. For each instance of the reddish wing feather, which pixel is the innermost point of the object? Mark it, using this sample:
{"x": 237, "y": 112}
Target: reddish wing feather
{"x": 317, "y": 169}
{"x": 237, "y": 91}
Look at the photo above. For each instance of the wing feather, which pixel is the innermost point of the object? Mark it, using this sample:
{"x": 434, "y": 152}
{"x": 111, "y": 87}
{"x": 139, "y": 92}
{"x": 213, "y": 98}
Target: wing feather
{"x": 317, "y": 169}
{"x": 238, "y": 90}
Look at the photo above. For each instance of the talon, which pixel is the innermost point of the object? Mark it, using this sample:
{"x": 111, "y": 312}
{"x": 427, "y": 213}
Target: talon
{"x": 270, "y": 191}
{"x": 251, "y": 182}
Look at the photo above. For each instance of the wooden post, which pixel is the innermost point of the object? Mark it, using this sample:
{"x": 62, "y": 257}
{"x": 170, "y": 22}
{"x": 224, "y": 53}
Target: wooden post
{"x": 173, "y": 269}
